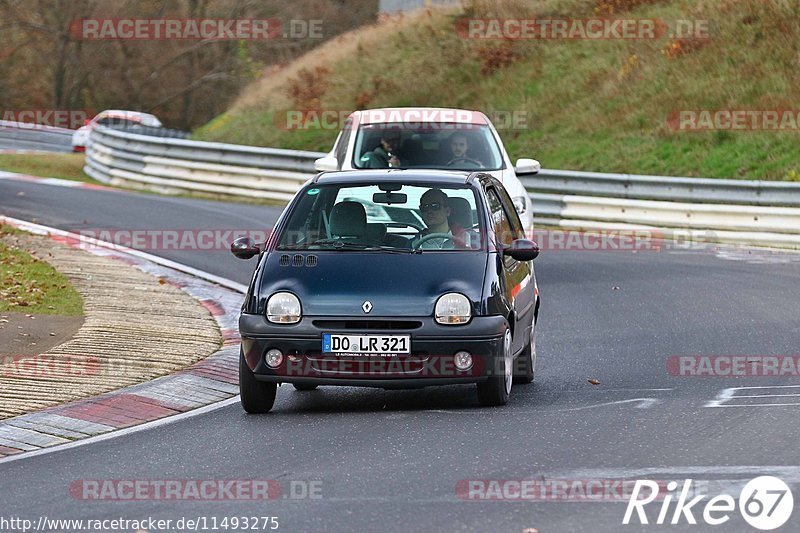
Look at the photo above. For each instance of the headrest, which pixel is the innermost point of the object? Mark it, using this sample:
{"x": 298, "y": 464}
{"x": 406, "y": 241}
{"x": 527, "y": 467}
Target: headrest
{"x": 348, "y": 219}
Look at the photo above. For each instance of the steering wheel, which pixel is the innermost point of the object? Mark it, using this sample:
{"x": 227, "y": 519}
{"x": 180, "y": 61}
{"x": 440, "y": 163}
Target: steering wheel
{"x": 455, "y": 160}
{"x": 431, "y": 236}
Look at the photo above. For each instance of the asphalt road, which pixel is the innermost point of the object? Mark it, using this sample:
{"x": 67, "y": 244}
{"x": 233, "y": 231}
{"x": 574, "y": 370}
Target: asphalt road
{"x": 391, "y": 460}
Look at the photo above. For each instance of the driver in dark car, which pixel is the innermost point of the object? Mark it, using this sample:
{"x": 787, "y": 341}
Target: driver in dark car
{"x": 459, "y": 147}
{"x": 435, "y": 210}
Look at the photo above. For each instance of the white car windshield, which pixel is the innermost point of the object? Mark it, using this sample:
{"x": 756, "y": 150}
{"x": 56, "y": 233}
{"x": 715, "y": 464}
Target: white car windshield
{"x": 434, "y": 146}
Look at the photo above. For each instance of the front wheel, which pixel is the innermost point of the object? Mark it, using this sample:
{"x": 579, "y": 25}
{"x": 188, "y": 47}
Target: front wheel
{"x": 496, "y": 389}
{"x": 255, "y": 396}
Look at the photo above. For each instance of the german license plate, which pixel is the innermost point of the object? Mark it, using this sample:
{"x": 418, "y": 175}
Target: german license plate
{"x": 366, "y": 344}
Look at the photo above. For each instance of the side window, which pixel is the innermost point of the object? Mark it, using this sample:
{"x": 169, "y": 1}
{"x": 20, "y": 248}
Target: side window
{"x": 500, "y": 222}
{"x": 513, "y": 216}
{"x": 344, "y": 139}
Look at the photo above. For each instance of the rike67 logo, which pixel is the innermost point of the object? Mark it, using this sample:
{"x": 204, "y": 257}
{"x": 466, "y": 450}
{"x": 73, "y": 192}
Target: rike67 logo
{"x": 765, "y": 503}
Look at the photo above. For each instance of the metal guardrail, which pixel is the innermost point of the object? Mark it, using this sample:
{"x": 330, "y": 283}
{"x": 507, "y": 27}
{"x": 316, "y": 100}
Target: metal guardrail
{"x": 178, "y": 165}
{"x": 693, "y": 190}
{"x": 748, "y": 212}
{"x": 27, "y": 136}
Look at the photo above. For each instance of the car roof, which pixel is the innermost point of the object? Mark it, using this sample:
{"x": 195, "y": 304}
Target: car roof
{"x": 410, "y": 115}
{"x": 125, "y": 114}
{"x": 410, "y": 176}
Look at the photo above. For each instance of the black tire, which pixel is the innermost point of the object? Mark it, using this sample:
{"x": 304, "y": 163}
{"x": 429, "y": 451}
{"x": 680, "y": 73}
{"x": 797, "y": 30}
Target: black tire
{"x": 525, "y": 363}
{"x": 496, "y": 389}
{"x": 304, "y": 386}
{"x": 256, "y": 397}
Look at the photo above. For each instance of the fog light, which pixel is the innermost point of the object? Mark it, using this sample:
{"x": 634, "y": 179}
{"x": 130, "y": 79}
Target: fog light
{"x": 463, "y": 360}
{"x": 274, "y": 358}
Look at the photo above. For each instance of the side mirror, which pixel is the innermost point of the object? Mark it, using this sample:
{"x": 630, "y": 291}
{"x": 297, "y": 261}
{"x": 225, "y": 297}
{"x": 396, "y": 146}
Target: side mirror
{"x": 527, "y": 166}
{"x": 522, "y": 250}
{"x": 326, "y": 164}
{"x": 244, "y": 248}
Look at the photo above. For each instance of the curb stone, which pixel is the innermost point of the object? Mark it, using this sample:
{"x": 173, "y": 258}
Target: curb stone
{"x": 208, "y": 381}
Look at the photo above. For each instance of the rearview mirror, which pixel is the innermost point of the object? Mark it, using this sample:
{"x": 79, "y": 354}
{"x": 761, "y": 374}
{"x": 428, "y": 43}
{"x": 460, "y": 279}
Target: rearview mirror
{"x": 244, "y": 248}
{"x": 527, "y": 166}
{"x": 389, "y": 198}
{"x": 522, "y": 250}
{"x": 326, "y": 164}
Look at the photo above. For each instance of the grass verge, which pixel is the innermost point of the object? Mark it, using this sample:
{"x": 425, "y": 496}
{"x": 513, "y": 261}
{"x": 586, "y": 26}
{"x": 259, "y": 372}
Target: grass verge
{"x": 31, "y": 285}
{"x": 64, "y": 166}
{"x": 597, "y": 105}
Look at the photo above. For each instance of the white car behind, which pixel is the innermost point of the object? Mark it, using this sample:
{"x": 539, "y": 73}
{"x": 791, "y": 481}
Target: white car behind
{"x": 422, "y": 138}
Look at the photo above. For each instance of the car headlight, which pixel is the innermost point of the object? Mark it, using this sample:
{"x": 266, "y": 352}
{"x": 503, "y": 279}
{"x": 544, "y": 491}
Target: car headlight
{"x": 283, "y": 308}
{"x": 453, "y": 308}
{"x": 520, "y": 204}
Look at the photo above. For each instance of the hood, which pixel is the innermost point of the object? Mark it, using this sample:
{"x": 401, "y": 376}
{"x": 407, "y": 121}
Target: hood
{"x": 395, "y": 284}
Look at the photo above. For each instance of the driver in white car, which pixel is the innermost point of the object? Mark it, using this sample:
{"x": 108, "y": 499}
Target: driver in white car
{"x": 459, "y": 147}
{"x": 435, "y": 210}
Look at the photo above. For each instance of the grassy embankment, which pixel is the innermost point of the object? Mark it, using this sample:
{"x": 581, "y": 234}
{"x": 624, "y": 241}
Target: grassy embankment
{"x": 597, "y": 105}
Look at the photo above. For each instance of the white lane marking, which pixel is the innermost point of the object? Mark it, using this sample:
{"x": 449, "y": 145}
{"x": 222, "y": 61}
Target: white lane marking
{"x": 768, "y": 396}
{"x": 122, "y": 432}
{"x": 723, "y": 396}
{"x": 726, "y": 396}
{"x": 644, "y": 403}
{"x": 43, "y": 230}
{"x": 619, "y": 390}
{"x": 788, "y": 473}
{"x": 758, "y": 405}
{"x": 767, "y": 387}
{"x": 186, "y": 269}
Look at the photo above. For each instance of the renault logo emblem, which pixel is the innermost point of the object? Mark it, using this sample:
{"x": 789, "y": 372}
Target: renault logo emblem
{"x": 366, "y": 306}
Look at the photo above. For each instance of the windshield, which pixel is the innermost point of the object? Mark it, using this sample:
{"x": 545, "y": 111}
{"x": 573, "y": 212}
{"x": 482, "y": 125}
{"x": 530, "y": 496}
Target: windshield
{"x": 130, "y": 121}
{"x": 385, "y": 216}
{"x": 444, "y": 146}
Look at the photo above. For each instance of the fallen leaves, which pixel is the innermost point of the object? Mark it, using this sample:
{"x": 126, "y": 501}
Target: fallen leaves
{"x": 593, "y": 381}
{"x": 26, "y": 281}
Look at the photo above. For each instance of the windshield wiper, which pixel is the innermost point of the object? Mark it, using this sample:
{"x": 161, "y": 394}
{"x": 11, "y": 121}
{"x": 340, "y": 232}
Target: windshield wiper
{"x": 398, "y": 249}
{"x": 343, "y": 245}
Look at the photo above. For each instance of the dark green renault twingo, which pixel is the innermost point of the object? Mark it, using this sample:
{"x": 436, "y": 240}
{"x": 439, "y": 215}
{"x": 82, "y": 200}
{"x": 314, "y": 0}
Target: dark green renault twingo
{"x": 392, "y": 279}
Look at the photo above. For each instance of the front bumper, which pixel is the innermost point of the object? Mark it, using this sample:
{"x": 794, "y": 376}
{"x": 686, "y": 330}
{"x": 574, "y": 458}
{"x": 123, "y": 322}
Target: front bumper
{"x": 429, "y": 363}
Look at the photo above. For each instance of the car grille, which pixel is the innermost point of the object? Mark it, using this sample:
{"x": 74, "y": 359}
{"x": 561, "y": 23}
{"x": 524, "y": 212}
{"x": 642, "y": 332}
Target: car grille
{"x": 367, "y": 324}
